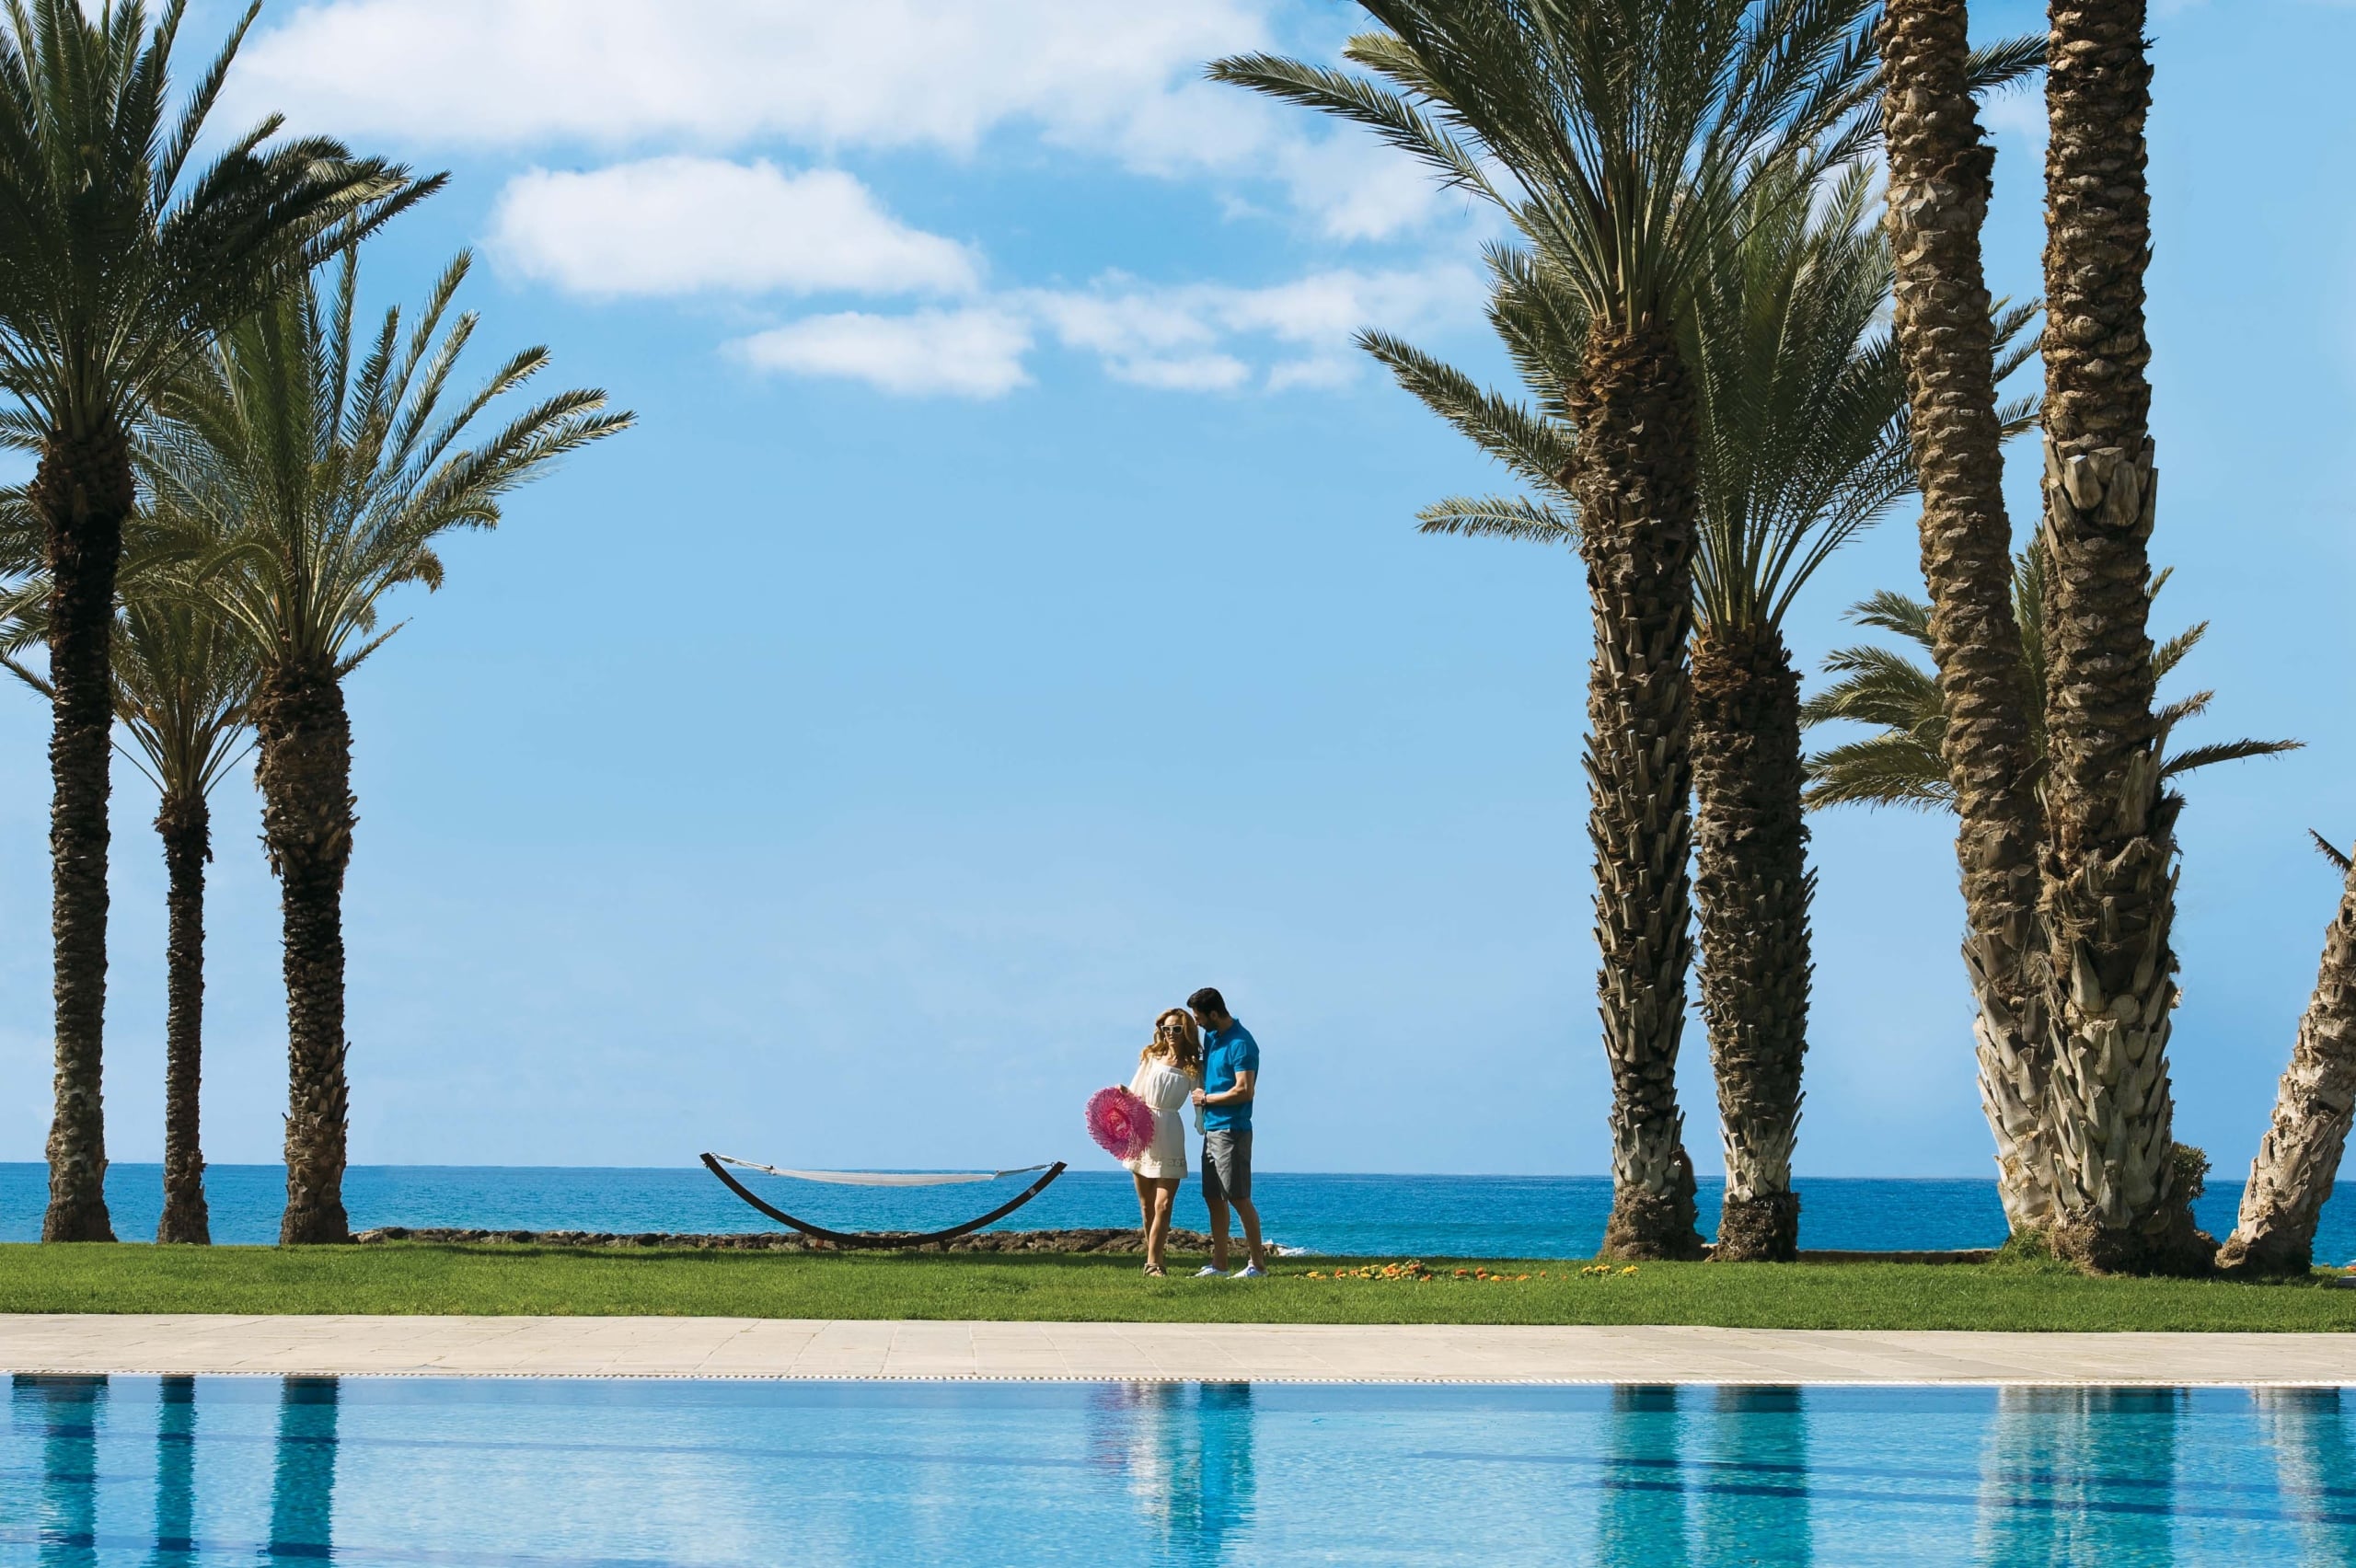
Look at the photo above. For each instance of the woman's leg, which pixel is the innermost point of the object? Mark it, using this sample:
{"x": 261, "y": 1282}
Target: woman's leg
{"x": 1165, "y": 1199}
{"x": 1145, "y": 1211}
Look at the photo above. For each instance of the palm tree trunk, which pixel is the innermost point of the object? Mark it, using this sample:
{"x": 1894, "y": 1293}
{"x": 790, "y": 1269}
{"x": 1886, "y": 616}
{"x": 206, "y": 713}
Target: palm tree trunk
{"x": 1939, "y": 169}
{"x": 2290, "y": 1179}
{"x": 1634, "y": 484}
{"x": 185, "y": 824}
{"x": 1752, "y": 884}
{"x": 83, "y": 493}
{"x": 2109, "y": 877}
{"x": 308, "y": 817}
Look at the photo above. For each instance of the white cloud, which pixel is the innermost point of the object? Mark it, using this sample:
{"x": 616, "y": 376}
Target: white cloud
{"x": 1357, "y": 186}
{"x": 1111, "y": 77}
{"x": 682, "y": 224}
{"x": 881, "y": 72}
{"x": 1190, "y": 372}
{"x": 966, "y": 353}
{"x": 1192, "y": 338}
{"x": 1179, "y": 336}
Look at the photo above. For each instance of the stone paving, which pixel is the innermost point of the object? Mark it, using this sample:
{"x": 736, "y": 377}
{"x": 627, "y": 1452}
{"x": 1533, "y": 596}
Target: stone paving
{"x": 751, "y": 1347}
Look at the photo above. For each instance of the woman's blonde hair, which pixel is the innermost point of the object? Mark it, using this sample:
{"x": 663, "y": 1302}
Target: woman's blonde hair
{"x": 1176, "y": 1033}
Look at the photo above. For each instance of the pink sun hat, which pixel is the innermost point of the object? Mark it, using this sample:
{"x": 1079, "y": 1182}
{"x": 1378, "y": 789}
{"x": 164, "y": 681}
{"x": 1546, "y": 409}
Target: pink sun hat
{"x": 1121, "y": 1124}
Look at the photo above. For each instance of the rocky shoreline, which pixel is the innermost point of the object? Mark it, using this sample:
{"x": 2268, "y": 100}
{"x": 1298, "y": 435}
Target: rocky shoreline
{"x": 1064, "y": 1241}
{"x": 1068, "y": 1242}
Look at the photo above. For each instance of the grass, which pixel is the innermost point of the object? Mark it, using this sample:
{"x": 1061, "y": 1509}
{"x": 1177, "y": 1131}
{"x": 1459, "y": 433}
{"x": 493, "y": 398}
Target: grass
{"x": 502, "y": 1280}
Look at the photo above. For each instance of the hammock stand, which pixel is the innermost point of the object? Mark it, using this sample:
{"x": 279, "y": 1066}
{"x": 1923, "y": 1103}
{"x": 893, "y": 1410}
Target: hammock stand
{"x": 877, "y": 1238}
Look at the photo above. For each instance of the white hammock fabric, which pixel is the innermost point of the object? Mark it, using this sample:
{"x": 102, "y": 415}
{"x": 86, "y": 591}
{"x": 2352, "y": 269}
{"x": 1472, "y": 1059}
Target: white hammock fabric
{"x": 883, "y": 1177}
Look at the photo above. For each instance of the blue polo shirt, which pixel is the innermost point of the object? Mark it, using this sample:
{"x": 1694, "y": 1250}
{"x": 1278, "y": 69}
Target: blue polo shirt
{"x": 1228, "y": 1052}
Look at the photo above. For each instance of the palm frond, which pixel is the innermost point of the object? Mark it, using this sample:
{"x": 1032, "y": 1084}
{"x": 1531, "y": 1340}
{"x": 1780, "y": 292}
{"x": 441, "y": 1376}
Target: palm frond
{"x": 2215, "y": 752}
{"x": 1498, "y": 517}
{"x": 1617, "y": 137}
{"x": 119, "y": 259}
{"x": 1887, "y": 691}
{"x": 1884, "y": 771}
{"x": 320, "y": 461}
{"x": 1536, "y": 449}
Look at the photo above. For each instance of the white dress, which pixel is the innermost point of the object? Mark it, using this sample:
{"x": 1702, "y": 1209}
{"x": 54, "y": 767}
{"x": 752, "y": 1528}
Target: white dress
{"x": 1168, "y": 1090}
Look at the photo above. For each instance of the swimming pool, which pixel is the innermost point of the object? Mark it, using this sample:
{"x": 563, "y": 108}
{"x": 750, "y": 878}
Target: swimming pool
{"x": 534, "y": 1474}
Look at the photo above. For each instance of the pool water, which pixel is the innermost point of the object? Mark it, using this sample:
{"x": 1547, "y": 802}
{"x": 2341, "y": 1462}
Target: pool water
{"x": 359, "y": 1471}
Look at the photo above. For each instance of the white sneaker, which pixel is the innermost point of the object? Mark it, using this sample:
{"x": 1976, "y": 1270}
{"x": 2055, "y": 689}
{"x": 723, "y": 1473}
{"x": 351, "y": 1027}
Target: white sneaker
{"x": 1251, "y": 1271}
{"x": 1208, "y": 1271}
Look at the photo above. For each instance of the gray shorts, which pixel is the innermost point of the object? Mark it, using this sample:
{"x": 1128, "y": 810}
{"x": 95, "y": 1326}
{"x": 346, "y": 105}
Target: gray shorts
{"x": 1227, "y": 1165}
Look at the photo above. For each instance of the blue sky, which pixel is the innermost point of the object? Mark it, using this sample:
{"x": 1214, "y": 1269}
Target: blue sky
{"x": 1007, "y": 617}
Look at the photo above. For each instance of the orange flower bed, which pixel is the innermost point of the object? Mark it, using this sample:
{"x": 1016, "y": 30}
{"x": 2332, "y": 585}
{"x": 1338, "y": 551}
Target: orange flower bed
{"x": 1416, "y": 1269}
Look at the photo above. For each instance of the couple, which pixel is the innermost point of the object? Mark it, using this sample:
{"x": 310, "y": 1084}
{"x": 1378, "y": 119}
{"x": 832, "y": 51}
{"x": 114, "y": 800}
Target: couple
{"x": 1199, "y": 1053}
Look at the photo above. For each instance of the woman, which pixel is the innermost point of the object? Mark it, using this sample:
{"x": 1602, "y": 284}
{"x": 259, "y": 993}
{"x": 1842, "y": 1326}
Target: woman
{"x": 1169, "y": 1069}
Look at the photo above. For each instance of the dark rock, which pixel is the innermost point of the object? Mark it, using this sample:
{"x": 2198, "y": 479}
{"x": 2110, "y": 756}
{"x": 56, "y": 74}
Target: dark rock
{"x": 1064, "y": 1241}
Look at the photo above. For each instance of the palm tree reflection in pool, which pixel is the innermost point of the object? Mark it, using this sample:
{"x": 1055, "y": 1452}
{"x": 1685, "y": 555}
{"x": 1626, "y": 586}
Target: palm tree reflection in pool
{"x": 1753, "y": 1503}
{"x": 2079, "y": 1475}
{"x": 175, "y": 1467}
{"x": 2315, "y": 1465}
{"x": 65, "y": 1411}
{"x": 302, "y": 1489}
{"x": 1641, "y": 1518}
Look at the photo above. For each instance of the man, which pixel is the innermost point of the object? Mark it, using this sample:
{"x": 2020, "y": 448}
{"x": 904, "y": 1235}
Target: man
{"x": 1231, "y": 1074}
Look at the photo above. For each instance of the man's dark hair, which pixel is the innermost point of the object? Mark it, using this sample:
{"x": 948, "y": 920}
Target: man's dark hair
{"x": 1208, "y": 1000}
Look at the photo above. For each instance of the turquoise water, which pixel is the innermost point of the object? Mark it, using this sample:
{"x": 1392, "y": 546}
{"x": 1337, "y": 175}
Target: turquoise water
{"x": 193, "y": 1471}
{"x": 1434, "y": 1216}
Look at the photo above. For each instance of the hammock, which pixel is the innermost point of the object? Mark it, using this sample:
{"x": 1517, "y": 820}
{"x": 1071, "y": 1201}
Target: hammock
{"x": 714, "y": 1163}
{"x": 883, "y": 1177}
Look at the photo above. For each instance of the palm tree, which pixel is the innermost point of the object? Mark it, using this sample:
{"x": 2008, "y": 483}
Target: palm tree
{"x": 184, "y": 682}
{"x": 328, "y": 468}
{"x": 1939, "y": 186}
{"x": 1802, "y": 439}
{"x": 118, "y": 261}
{"x": 2292, "y": 1177}
{"x": 1618, "y": 137}
{"x": 1902, "y": 765}
{"x": 184, "y": 678}
{"x": 2109, "y": 896}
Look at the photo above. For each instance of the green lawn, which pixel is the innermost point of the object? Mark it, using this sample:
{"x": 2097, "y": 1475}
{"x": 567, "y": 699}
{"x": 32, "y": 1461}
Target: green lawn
{"x": 503, "y": 1279}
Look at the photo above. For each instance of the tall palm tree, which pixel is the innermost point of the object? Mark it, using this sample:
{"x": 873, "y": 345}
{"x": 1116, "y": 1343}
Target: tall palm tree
{"x": 1939, "y": 185}
{"x": 2108, "y": 894}
{"x": 1902, "y": 765}
{"x": 328, "y": 467}
{"x": 1802, "y": 438}
{"x": 118, "y": 261}
{"x": 183, "y": 681}
{"x": 1618, "y": 137}
{"x": 2292, "y": 1177}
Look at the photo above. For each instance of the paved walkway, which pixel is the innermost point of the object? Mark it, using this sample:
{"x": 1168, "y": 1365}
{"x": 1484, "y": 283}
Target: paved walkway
{"x": 751, "y": 1347}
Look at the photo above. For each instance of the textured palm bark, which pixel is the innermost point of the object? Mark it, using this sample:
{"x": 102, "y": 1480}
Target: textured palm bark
{"x": 1752, "y": 886}
{"x": 2109, "y": 875}
{"x": 185, "y": 824}
{"x": 82, "y": 492}
{"x": 307, "y": 818}
{"x": 2291, "y": 1180}
{"x": 1939, "y": 183}
{"x": 1633, "y": 481}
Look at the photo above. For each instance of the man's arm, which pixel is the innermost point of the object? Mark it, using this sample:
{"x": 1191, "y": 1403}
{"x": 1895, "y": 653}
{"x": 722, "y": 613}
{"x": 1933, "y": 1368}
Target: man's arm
{"x": 1242, "y": 1091}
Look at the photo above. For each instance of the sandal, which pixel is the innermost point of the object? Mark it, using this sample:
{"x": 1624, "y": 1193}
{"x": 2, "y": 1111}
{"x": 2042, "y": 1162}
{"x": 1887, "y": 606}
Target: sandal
{"x": 1152, "y": 1273}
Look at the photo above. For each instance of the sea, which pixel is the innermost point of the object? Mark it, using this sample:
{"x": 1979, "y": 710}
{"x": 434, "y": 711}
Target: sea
{"x": 1374, "y": 1216}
